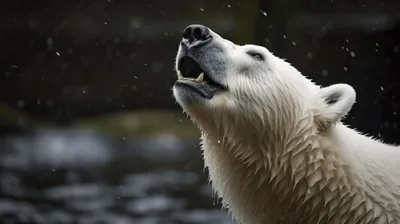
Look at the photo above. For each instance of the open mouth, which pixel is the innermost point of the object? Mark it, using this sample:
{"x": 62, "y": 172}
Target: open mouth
{"x": 192, "y": 76}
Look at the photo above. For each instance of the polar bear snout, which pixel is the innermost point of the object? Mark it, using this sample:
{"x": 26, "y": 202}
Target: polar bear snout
{"x": 200, "y": 66}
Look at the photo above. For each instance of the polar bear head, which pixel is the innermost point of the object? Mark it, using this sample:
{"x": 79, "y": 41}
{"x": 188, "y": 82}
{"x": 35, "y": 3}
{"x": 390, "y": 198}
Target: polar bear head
{"x": 226, "y": 88}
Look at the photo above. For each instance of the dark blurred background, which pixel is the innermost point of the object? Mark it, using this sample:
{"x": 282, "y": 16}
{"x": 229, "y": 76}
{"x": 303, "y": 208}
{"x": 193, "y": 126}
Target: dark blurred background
{"x": 89, "y": 131}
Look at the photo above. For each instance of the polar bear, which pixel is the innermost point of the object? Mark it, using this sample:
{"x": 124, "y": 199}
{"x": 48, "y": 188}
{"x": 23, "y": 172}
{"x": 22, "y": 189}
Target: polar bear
{"x": 273, "y": 141}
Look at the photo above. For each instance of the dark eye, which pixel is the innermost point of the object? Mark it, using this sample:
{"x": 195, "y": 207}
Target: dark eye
{"x": 256, "y": 55}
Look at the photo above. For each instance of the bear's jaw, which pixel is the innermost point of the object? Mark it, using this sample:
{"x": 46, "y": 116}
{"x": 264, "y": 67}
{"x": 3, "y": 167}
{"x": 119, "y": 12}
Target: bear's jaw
{"x": 196, "y": 83}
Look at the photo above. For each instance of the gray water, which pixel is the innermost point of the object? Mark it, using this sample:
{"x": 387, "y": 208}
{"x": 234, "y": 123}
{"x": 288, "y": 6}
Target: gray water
{"x": 80, "y": 176}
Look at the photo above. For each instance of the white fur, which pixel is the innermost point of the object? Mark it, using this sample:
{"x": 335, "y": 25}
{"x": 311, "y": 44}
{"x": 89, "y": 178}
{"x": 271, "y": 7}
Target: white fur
{"x": 277, "y": 152}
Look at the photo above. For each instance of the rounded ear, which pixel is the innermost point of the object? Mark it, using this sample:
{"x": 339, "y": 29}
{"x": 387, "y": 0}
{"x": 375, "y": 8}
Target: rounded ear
{"x": 337, "y": 100}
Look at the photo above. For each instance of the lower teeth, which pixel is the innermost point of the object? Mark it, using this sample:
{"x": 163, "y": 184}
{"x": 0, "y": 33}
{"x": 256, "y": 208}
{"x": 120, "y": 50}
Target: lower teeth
{"x": 199, "y": 79}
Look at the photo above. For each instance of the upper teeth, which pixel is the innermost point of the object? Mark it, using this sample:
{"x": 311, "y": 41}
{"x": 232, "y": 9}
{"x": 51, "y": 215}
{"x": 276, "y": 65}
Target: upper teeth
{"x": 199, "y": 79}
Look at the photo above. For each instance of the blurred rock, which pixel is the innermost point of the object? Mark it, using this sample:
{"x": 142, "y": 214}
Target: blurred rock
{"x": 82, "y": 191}
{"x": 56, "y": 148}
{"x": 203, "y": 216}
{"x": 155, "y": 204}
{"x": 144, "y": 184}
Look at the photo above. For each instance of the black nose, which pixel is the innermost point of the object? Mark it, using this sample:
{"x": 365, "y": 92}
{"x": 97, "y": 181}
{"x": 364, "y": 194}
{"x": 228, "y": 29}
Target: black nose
{"x": 196, "y": 35}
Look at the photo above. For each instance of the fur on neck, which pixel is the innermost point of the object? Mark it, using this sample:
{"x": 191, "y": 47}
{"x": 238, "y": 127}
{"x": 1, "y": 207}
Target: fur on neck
{"x": 296, "y": 178}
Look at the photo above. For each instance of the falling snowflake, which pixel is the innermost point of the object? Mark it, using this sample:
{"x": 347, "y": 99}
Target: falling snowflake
{"x": 324, "y": 73}
{"x": 264, "y": 13}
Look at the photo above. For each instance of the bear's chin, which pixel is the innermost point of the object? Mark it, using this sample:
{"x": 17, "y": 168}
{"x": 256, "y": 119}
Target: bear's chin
{"x": 192, "y": 94}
